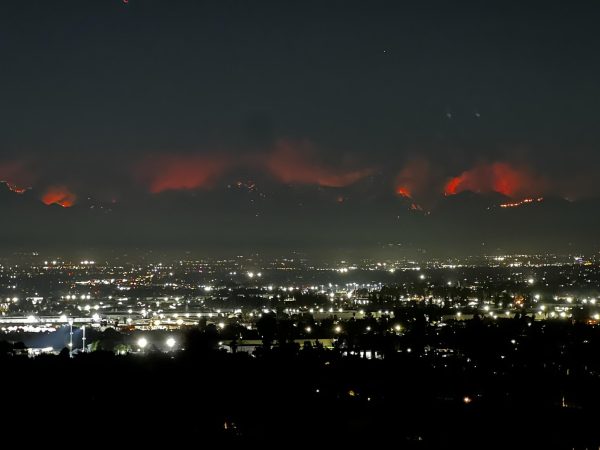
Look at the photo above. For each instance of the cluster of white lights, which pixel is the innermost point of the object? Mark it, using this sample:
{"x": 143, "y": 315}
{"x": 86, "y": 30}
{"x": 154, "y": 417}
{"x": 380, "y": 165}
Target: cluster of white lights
{"x": 81, "y": 297}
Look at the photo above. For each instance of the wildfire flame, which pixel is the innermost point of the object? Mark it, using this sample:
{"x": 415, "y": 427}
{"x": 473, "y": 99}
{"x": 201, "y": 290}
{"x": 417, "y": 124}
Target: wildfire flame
{"x": 14, "y": 188}
{"x": 403, "y": 192}
{"x": 497, "y": 177}
{"x": 525, "y": 201}
{"x": 59, "y": 195}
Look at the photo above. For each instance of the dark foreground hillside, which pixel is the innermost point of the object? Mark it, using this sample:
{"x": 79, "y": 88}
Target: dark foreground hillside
{"x": 283, "y": 400}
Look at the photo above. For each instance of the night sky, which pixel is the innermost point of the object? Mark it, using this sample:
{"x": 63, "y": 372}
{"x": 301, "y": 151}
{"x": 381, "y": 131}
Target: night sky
{"x": 320, "y": 126}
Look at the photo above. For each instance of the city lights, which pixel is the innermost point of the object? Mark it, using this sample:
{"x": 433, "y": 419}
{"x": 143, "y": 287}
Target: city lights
{"x": 298, "y": 223}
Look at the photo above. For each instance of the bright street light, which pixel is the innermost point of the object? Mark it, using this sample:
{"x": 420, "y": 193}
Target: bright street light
{"x": 70, "y": 338}
{"x": 142, "y": 342}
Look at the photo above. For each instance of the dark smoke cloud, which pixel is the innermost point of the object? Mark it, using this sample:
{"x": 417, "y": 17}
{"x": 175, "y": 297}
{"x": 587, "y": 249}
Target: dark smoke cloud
{"x": 17, "y": 172}
{"x": 420, "y": 180}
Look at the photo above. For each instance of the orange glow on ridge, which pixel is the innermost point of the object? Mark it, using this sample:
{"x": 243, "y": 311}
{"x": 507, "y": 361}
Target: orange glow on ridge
{"x": 403, "y": 192}
{"x": 180, "y": 172}
{"x": 59, "y": 195}
{"x": 295, "y": 164}
{"x": 497, "y": 177}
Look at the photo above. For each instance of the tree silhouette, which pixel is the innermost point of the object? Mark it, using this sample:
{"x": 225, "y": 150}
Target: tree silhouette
{"x": 267, "y": 328}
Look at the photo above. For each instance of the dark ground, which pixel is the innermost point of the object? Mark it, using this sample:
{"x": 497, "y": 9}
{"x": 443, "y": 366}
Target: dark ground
{"x": 286, "y": 400}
